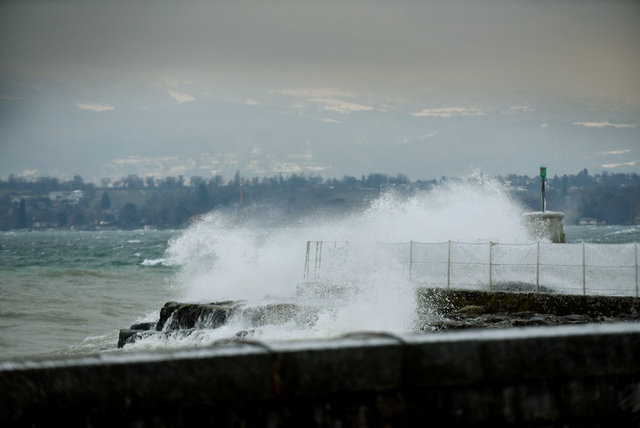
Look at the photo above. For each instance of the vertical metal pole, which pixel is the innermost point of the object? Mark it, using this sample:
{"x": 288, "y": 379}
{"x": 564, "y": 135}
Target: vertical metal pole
{"x": 543, "y": 177}
{"x": 346, "y": 247}
{"x": 320, "y": 257}
{"x": 584, "y": 271}
{"x": 538, "y": 268}
{"x": 410, "y": 258}
{"x": 306, "y": 262}
{"x": 490, "y": 263}
{"x": 315, "y": 272}
{"x": 449, "y": 267}
{"x": 636, "y": 248}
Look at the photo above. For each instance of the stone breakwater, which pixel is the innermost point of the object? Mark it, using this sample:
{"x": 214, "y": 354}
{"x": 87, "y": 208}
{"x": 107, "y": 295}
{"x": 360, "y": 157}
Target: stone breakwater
{"x": 185, "y": 318}
{"x": 460, "y": 309}
{"x": 438, "y": 310}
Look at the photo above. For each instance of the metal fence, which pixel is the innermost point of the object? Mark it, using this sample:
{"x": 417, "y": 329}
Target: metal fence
{"x": 582, "y": 268}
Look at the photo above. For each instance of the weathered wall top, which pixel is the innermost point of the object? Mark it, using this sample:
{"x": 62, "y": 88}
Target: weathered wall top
{"x": 567, "y": 375}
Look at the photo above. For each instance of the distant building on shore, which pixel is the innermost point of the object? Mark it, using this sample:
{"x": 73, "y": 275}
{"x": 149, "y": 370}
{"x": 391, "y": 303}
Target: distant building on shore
{"x": 72, "y": 197}
{"x": 588, "y": 221}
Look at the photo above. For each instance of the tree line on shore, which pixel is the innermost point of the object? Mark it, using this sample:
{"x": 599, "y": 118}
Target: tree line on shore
{"x": 172, "y": 202}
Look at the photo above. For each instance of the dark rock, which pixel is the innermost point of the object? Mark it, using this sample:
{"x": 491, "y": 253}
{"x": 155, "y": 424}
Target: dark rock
{"x": 125, "y": 336}
{"x": 144, "y": 326}
{"x": 165, "y": 313}
{"x": 472, "y": 309}
{"x": 528, "y": 322}
{"x": 438, "y": 309}
{"x": 129, "y": 336}
{"x": 178, "y": 316}
{"x": 186, "y": 317}
{"x": 447, "y": 301}
{"x": 225, "y": 303}
{"x": 460, "y": 309}
{"x": 243, "y": 334}
{"x": 280, "y": 313}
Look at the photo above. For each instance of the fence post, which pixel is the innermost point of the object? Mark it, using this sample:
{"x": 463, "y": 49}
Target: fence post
{"x": 306, "y": 262}
{"x": 344, "y": 253}
{"x": 538, "y": 268}
{"x": 410, "y": 258}
{"x": 449, "y": 266}
{"x": 584, "y": 271}
{"x": 317, "y": 259}
{"x": 320, "y": 257}
{"x": 636, "y": 248}
{"x": 490, "y": 263}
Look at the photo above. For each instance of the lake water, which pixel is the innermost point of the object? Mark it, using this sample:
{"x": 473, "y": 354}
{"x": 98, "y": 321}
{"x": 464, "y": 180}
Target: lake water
{"x": 65, "y": 293}
{"x": 70, "y": 292}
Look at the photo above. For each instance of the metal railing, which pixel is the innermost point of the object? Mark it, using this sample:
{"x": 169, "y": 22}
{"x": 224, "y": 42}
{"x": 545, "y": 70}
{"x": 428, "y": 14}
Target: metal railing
{"x": 581, "y": 268}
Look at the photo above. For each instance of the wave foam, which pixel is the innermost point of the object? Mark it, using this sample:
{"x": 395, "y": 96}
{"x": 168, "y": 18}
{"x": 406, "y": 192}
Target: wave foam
{"x": 223, "y": 257}
{"x": 154, "y": 262}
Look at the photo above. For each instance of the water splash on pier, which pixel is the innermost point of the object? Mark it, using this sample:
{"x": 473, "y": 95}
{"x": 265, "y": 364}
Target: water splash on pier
{"x": 224, "y": 257}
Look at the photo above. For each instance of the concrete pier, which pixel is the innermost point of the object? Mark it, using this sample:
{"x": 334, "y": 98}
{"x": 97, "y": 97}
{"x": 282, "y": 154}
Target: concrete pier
{"x": 585, "y": 375}
{"x": 546, "y": 225}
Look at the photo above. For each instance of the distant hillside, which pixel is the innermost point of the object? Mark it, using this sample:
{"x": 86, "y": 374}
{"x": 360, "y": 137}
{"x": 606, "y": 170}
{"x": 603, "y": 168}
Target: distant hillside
{"x": 134, "y": 202}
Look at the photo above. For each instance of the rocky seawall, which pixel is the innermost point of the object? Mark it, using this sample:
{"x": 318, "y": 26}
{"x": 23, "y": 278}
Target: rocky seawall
{"x": 185, "y": 318}
{"x": 460, "y": 309}
{"x": 438, "y": 310}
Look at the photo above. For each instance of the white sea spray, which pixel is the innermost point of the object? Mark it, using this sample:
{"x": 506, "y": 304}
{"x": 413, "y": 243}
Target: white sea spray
{"x": 222, "y": 257}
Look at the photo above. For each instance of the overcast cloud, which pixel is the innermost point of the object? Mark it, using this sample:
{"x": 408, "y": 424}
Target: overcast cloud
{"x": 333, "y": 88}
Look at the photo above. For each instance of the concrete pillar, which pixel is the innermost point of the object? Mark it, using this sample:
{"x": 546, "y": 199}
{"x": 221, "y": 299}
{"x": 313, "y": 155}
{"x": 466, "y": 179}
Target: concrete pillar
{"x": 545, "y": 225}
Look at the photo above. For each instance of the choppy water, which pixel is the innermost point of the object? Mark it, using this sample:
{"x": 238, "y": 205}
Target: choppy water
{"x": 603, "y": 234}
{"x": 70, "y": 292}
{"x": 66, "y": 292}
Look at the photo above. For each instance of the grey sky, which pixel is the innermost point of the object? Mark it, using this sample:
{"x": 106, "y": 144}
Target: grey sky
{"x": 425, "y": 88}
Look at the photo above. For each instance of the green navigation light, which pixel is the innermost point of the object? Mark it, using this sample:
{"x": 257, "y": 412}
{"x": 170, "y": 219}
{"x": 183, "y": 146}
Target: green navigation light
{"x": 543, "y": 172}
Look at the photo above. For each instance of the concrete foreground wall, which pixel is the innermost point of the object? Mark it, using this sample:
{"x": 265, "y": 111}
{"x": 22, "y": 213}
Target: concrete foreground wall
{"x": 586, "y": 375}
